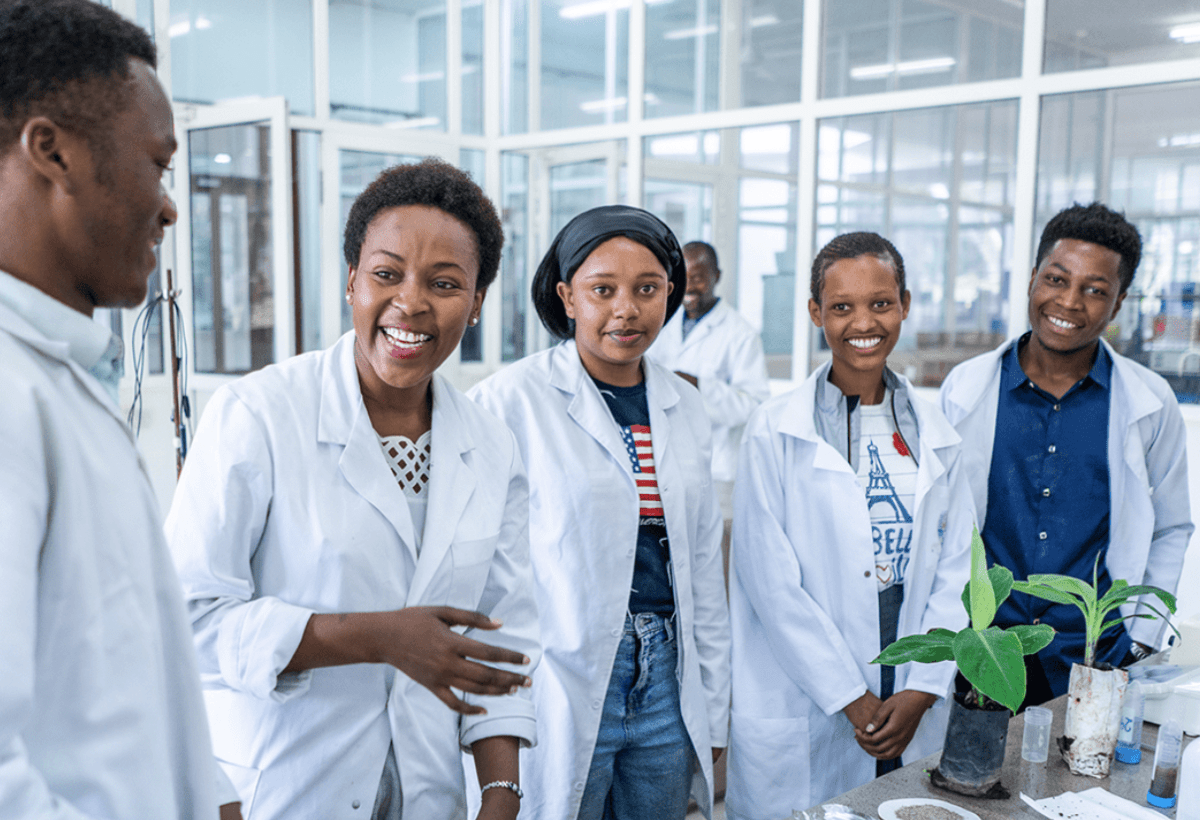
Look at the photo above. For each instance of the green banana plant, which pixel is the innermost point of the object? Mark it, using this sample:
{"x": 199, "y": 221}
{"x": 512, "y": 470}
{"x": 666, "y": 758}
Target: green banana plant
{"x": 1066, "y": 589}
{"x": 990, "y": 658}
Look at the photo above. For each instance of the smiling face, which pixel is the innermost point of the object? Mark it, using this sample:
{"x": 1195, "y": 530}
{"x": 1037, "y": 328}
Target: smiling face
{"x": 861, "y": 309}
{"x": 118, "y": 208}
{"x": 411, "y": 294}
{"x": 1074, "y": 295}
{"x": 702, "y": 278}
{"x": 618, "y": 299}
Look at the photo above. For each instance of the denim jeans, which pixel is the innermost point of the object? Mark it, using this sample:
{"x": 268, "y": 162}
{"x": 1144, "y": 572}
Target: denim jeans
{"x": 642, "y": 763}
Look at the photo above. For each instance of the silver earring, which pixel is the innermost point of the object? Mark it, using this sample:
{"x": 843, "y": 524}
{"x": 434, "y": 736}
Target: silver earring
{"x": 347, "y": 298}
{"x": 474, "y": 321}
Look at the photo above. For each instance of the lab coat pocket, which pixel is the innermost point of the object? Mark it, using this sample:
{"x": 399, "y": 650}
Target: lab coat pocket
{"x": 768, "y": 766}
{"x": 245, "y": 781}
{"x": 472, "y": 560}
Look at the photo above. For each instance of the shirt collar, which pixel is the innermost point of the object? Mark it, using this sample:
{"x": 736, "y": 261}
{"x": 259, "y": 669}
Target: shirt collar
{"x": 89, "y": 344}
{"x": 1012, "y": 376}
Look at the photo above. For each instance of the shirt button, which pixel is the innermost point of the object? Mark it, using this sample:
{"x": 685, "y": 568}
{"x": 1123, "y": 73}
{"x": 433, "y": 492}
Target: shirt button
{"x": 1042, "y": 536}
{"x": 1057, "y": 406}
{"x": 1046, "y": 492}
{"x": 1052, "y": 449}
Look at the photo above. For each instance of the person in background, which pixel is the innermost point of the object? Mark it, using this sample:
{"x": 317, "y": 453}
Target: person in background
{"x": 100, "y": 707}
{"x": 709, "y": 344}
{"x": 633, "y": 692}
{"x": 1074, "y": 452}
{"x": 852, "y": 527}
{"x": 342, "y": 515}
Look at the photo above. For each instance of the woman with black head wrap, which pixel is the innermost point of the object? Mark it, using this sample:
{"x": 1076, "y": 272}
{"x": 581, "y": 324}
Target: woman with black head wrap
{"x": 633, "y": 691}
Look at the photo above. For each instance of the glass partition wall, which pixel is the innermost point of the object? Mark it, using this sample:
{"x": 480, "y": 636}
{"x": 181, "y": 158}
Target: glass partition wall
{"x": 765, "y": 127}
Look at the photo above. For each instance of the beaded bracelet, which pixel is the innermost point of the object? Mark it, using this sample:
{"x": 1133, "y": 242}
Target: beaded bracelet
{"x": 504, "y": 784}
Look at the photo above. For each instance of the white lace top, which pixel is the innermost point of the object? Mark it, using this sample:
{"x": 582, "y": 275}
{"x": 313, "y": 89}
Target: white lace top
{"x": 409, "y": 461}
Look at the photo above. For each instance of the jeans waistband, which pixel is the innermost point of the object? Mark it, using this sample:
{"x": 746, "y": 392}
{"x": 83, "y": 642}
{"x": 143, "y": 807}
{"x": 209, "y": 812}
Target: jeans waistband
{"x": 646, "y": 624}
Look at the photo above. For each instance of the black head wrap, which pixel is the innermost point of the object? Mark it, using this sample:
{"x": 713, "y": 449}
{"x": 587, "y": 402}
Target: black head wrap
{"x": 584, "y": 234}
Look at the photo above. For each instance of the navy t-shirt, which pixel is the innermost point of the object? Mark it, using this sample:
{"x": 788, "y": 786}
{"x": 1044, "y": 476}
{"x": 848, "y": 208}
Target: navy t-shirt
{"x": 651, "y": 591}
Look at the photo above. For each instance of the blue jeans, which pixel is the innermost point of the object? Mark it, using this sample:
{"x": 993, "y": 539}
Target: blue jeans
{"x": 642, "y": 763}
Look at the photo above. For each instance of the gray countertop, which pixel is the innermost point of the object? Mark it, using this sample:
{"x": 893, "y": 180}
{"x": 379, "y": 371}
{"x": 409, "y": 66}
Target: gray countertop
{"x": 1035, "y": 779}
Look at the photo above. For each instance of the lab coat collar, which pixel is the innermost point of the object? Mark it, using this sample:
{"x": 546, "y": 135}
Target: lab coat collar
{"x": 588, "y": 408}
{"x": 717, "y": 315}
{"x": 343, "y": 420}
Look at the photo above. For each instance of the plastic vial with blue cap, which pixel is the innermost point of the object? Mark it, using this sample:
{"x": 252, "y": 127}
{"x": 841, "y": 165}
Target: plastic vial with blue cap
{"x": 1166, "y": 765}
{"x": 1129, "y": 739}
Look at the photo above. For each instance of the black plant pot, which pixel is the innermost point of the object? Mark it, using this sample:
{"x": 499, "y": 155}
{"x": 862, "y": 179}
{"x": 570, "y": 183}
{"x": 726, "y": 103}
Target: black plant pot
{"x": 974, "y": 752}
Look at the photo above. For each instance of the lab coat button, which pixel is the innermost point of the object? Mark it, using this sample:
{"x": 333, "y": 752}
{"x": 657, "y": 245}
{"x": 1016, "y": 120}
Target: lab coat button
{"x": 596, "y": 704}
{"x": 867, "y": 574}
{"x": 355, "y": 804}
{"x": 578, "y": 787}
{"x": 616, "y": 632}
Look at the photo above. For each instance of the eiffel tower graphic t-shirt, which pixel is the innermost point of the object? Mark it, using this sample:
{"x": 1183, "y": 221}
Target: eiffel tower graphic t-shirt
{"x": 889, "y": 474}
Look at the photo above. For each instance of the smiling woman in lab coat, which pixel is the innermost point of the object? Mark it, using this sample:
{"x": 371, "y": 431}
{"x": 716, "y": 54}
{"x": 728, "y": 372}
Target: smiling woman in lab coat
{"x": 632, "y": 694}
{"x": 313, "y": 572}
{"x": 852, "y": 521}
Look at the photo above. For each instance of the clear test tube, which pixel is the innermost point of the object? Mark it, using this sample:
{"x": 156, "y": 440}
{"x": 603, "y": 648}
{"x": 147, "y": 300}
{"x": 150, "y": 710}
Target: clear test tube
{"x": 1129, "y": 739}
{"x": 1166, "y": 765}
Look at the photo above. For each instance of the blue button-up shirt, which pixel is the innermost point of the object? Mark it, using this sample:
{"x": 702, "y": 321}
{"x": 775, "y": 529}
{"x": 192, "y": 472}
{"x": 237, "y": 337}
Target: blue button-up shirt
{"x": 1049, "y": 504}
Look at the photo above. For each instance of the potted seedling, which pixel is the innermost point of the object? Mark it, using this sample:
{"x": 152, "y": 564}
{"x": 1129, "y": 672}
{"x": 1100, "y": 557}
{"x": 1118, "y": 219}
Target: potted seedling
{"x": 992, "y": 661}
{"x": 1094, "y": 694}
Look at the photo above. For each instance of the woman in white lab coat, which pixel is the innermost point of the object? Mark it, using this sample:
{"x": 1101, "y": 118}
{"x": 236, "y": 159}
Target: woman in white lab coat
{"x": 339, "y": 513}
{"x": 852, "y": 522}
{"x": 632, "y": 694}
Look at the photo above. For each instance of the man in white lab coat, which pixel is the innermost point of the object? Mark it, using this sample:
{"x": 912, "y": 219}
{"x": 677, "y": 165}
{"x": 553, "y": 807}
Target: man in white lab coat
{"x": 1075, "y": 454}
{"x": 100, "y": 707}
{"x": 709, "y": 344}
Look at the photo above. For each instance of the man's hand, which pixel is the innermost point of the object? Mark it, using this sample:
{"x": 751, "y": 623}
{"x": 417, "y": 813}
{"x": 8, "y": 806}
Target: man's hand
{"x": 893, "y": 725}
{"x": 231, "y": 811}
{"x": 419, "y": 642}
{"x": 688, "y": 377}
{"x": 861, "y": 712}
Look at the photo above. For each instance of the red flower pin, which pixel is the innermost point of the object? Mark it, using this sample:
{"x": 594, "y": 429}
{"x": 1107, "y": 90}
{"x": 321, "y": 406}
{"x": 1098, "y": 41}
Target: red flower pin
{"x": 898, "y": 443}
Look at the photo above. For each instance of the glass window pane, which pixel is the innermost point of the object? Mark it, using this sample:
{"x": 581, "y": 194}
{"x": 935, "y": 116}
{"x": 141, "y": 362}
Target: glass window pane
{"x": 472, "y": 67}
{"x": 686, "y": 207}
{"x": 682, "y": 57}
{"x": 515, "y": 270}
{"x": 471, "y": 160}
{"x": 358, "y": 170}
{"x": 1095, "y": 33}
{"x": 1138, "y": 151}
{"x": 514, "y": 65}
{"x": 306, "y": 184}
{"x": 585, "y": 62}
{"x": 223, "y": 49}
{"x": 388, "y": 62}
{"x": 938, "y": 183}
{"x": 870, "y": 46}
{"x": 769, "y": 58}
{"x": 232, "y": 265}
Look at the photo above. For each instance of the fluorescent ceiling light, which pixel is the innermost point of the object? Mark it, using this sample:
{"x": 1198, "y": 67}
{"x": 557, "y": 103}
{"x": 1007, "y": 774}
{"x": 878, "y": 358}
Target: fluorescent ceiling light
{"x": 184, "y": 26}
{"x": 222, "y": 159}
{"x": 764, "y": 20}
{"x": 930, "y": 66}
{"x": 1179, "y": 141}
{"x": 685, "y": 33}
{"x": 1188, "y": 33}
{"x": 590, "y": 8}
{"x": 426, "y": 77}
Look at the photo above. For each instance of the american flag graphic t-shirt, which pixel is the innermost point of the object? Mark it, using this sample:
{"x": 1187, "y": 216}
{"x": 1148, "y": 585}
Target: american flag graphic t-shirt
{"x": 651, "y": 590}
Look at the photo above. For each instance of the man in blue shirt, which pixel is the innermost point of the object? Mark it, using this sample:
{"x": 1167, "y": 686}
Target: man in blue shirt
{"x": 1075, "y": 454}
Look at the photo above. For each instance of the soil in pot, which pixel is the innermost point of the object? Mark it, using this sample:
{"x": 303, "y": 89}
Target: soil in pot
{"x": 1093, "y": 719}
{"x": 973, "y": 754}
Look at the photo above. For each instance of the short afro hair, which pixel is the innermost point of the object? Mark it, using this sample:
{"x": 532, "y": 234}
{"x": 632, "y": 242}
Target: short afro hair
{"x": 440, "y": 185}
{"x": 705, "y": 250}
{"x": 67, "y": 60}
{"x": 1100, "y": 225}
{"x": 852, "y": 246}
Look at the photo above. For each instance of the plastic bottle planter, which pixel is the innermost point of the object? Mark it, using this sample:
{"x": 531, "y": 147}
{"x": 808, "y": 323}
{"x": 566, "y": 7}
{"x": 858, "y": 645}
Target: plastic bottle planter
{"x": 1093, "y": 719}
{"x": 973, "y": 754}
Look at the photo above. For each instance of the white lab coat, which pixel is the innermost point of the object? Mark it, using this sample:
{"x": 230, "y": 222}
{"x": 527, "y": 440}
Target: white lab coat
{"x": 725, "y": 354}
{"x": 1147, "y": 469}
{"x": 583, "y": 532}
{"x": 100, "y": 707}
{"x": 287, "y": 507}
{"x": 804, "y": 604}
